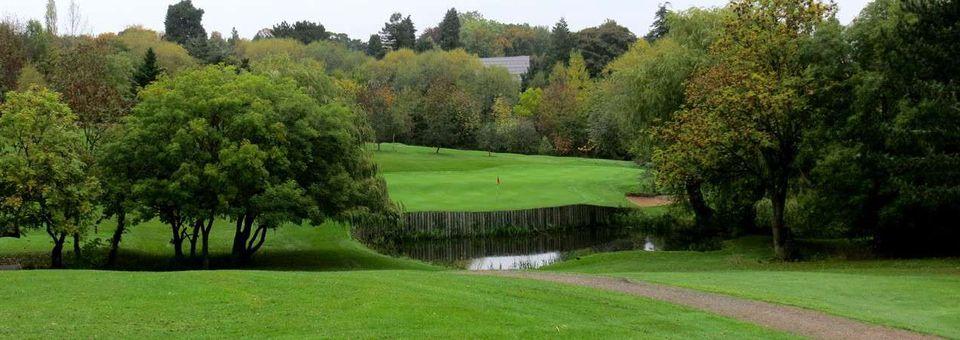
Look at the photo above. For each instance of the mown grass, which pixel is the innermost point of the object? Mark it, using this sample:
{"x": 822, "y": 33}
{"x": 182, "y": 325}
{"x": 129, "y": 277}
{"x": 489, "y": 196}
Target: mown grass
{"x": 358, "y": 304}
{"x": 340, "y": 296}
{"x": 458, "y": 180}
{"x": 921, "y": 295}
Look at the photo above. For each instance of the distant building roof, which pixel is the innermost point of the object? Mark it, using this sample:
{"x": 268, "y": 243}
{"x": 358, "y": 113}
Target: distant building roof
{"x": 517, "y": 66}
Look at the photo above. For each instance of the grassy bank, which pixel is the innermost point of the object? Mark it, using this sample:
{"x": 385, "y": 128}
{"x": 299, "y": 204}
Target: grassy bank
{"x": 147, "y": 247}
{"x": 921, "y": 295}
{"x": 457, "y": 180}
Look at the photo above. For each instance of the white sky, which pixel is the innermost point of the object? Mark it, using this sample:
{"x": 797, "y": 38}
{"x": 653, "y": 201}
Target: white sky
{"x": 360, "y": 18}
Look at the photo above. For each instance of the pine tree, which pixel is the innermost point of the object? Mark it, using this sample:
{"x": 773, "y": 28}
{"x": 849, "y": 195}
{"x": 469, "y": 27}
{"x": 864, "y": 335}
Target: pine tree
{"x": 561, "y": 43}
{"x": 659, "y": 27}
{"x": 375, "y": 47}
{"x": 450, "y": 30}
{"x": 147, "y": 72}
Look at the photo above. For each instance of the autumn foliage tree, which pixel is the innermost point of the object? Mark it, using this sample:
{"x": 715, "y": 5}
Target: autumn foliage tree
{"x": 748, "y": 113}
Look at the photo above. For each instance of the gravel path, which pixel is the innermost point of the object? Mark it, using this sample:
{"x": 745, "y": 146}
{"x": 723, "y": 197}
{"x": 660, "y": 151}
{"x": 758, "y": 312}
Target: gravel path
{"x": 795, "y": 320}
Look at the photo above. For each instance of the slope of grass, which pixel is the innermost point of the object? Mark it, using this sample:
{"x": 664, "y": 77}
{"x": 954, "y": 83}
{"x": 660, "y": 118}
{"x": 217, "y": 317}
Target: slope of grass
{"x": 457, "y": 180}
{"x": 360, "y": 304}
{"x": 147, "y": 247}
{"x": 922, "y": 295}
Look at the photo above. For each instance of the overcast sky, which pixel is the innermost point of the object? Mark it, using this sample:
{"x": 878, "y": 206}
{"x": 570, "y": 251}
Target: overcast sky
{"x": 360, "y": 18}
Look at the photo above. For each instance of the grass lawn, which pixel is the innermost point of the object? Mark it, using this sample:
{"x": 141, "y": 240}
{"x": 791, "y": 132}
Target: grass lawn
{"x": 457, "y": 180}
{"x": 357, "y": 304}
{"x": 921, "y": 295}
{"x": 340, "y": 296}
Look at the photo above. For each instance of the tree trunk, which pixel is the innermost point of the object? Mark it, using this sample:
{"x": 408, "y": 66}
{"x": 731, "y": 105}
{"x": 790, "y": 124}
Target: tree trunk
{"x": 194, "y": 236}
{"x": 703, "y": 214}
{"x": 117, "y": 235}
{"x": 76, "y": 246}
{"x": 438, "y": 150}
{"x": 205, "y": 252}
{"x": 782, "y": 246}
{"x": 56, "y": 256}
{"x": 177, "y": 240}
{"x": 378, "y": 146}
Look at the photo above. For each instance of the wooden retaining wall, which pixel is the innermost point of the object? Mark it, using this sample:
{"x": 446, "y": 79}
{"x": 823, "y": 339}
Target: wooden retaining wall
{"x": 459, "y": 224}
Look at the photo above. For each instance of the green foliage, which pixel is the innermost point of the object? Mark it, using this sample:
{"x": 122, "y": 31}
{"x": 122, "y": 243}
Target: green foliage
{"x": 450, "y": 30}
{"x": 600, "y": 45}
{"x": 30, "y": 77}
{"x": 12, "y": 59}
{"x": 399, "y": 33}
{"x": 183, "y": 23}
{"x": 562, "y": 43}
{"x": 172, "y": 58}
{"x": 442, "y": 97}
{"x": 249, "y": 148}
{"x": 751, "y": 125}
{"x": 660, "y": 25}
{"x": 45, "y": 183}
{"x": 304, "y": 31}
{"x": 375, "y": 47}
{"x": 148, "y": 71}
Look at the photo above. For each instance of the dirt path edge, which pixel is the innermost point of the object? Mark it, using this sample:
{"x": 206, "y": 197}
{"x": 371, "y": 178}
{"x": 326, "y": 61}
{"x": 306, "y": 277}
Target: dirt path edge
{"x": 800, "y": 321}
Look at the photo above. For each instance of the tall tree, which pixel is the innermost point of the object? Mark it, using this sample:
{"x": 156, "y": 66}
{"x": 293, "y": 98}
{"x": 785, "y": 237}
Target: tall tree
{"x": 184, "y": 23}
{"x": 76, "y": 24}
{"x": 375, "y": 47}
{"x": 450, "y": 30}
{"x": 50, "y": 17}
{"x": 660, "y": 27}
{"x": 562, "y": 42}
{"x": 399, "y": 33}
{"x": 46, "y": 182}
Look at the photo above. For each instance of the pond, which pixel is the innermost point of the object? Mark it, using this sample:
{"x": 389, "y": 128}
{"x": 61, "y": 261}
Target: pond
{"x": 511, "y": 253}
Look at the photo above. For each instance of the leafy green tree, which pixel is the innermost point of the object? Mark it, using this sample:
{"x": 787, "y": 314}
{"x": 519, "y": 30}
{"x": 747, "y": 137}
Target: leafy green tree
{"x": 450, "y": 30}
{"x": 529, "y": 103}
{"x": 184, "y": 23}
{"x": 252, "y": 149}
{"x": 45, "y": 182}
{"x": 375, "y": 47}
{"x": 602, "y": 44}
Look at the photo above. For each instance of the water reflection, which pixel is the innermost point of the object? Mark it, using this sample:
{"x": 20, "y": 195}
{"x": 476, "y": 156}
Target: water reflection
{"x": 514, "y": 262}
{"x": 508, "y": 253}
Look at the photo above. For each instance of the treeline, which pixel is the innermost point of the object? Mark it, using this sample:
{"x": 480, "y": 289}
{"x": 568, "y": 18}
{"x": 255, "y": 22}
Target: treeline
{"x": 771, "y": 114}
{"x": 130, "y": 128}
